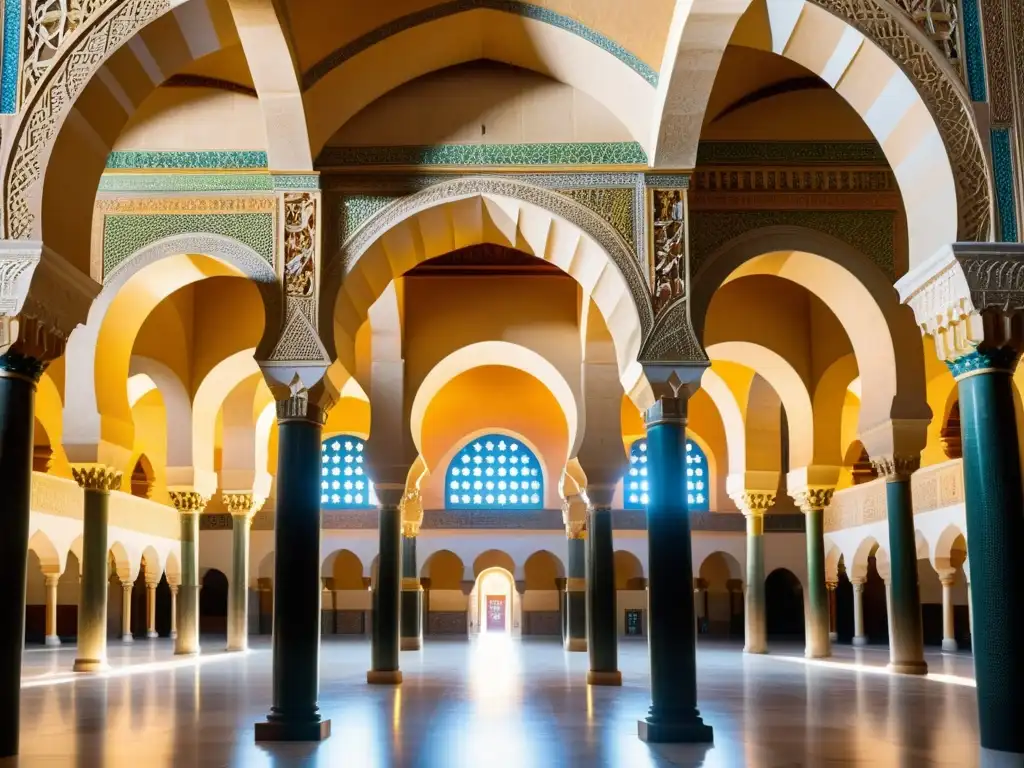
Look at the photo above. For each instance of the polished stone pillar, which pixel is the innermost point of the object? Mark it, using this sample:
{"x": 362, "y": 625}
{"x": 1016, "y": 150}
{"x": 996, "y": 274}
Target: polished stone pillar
{"x": 242, "y": 505}
{"x": 906, "y": 642}
{"x": 602, "y": 627}
{"x": 576, "y": 588}
{"x": 753, "y": 505}
{"x": 190, "y": 505}
{"x": 18, "y": 377}
{"x": 52, "y": 580}
{"x": 995, "y": 532}
{"x": 98, "y": 481}
{"x": 833, "y": 635}
{"x": 294, "y": 714}
{"x": 948, "y": 624}
{"x": 812, "y": 501}
{"x": 412, "y": 591}
{"x": 174, "y": 611}
{"x": 385, "y": 641}
{"x": 126, "y": 612}
{"x": 672, "y": 641}
{"x": 859, "y": 638}
{"x": 151, "y": 632}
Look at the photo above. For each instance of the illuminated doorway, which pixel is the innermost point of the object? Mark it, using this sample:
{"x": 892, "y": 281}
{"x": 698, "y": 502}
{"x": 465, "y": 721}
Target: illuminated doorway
{"x": 494, "y": 604}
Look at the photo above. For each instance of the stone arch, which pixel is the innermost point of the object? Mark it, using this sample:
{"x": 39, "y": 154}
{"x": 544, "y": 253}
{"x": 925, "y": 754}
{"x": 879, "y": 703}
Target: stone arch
{"x": 885, "y": 339}
{"x": 127, "y": 570}
{"x": 720, "y": 566}
{"x": 445, "y": 570}
{"x": 784, "y": 609}
{"x": 732, "y": 420}
{"x": 130, "y": 293}
{"x": 541, "y": 569}
{"x": 481, "y": 209}
{"x": 172, "y": 568}
{"x": 142, "y": 478}
{"x": 150, "y": 564}
{"x": 51, "y": 559}
{"x": 629, "y": 571}
{"x": 858, "y": 564}
{"x": 828, "y": 403}
{"x": 241, "y": 453}
{"x": 177, "y": 404}
{"x": 496, "y": 353}
{"x": 942, "y": 552}
{"x": 345, "y": 567}
{"x": 493, "y": 558}
{"x": 495, "y": 580}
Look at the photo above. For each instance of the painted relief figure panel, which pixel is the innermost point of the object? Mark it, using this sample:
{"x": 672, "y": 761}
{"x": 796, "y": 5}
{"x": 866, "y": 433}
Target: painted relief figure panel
{"x": 669, "y": 247}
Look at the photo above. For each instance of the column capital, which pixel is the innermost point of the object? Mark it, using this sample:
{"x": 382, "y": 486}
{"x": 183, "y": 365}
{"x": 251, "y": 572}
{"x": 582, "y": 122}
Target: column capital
{"x": 812, "y": 498}
{"x": 410, "y": 528}
{"x": 947, "y": 577}
{"x": 576, "y": 529}
{"x": 598, "y": 496}
{"x": 666, "y": 410}
{"x": 127, "y": 585}
{"x": 965, "y": 297}
{"x": 574, "y": 515}
{"x": 299, "y": 407}
{"x": 242, "y": 503}
{"x": 96, "y": 477}
{"x": 752, "y": 502}
{"x": 51, "y": 579}
{"x": 411, "y": 507}
{"x": 188, "y": 501}
{"x": 831, "y": 585}
{"x": 896, "y": 468}
{"x": 389, "y": 494}
{"x": 858, "y": 584}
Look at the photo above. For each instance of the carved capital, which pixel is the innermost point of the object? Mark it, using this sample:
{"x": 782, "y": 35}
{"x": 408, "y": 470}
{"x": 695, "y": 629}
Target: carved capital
{"x": 753, "y": 502}
{"x": 188, "y": 502}
{"x": 241, "y": 503}
{"x": 896, "y": 468}
{"x": 813, "y": 498}
{"x": 96, "y": 477}
{"x": 410, "y": 529}
{"x": 576, "y": 529}
{"x": 389, "y": 495}
{"x": 298, "y": 407}
{"x": 666, "y": 410}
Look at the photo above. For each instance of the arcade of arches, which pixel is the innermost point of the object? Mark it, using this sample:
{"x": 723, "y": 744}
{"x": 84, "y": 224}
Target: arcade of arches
{"x": 408, "y": 322}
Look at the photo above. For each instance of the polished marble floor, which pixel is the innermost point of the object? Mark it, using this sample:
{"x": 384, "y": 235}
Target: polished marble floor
{"x": 493, "y": 703}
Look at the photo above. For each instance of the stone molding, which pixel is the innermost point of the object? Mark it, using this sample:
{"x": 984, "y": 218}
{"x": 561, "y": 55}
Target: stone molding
{"x": 96, "y": 477}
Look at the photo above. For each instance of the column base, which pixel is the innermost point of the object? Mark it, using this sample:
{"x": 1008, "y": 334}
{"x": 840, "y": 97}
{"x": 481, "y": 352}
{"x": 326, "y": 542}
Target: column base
{"x": 127, "y": 639}
{"x": 152, "y": 634}
{"x": 384, "y": 677}
{"x": 908, "y": 667}
{"x": 52, "y": 640}
{"x": 759, "y": 650}
{"x": 236, "y": 647}
{"x": 576, "y": 645}
{"x": 274, "y": 731}
{"x": 833, "y": 637}
{"x": 411, "y": 643}
{"x": 186, "y": 652}
{"x": 860, "y": 642}
{"x": 994, "y": 758}
{"x": 90, "y": 665}
{"x": 691, "y": 732}
{"x": 950, "y": 645}
{"x": 604, "y": 678}
{"x": 817, "y": 653}
{"x": 174, "y": 634}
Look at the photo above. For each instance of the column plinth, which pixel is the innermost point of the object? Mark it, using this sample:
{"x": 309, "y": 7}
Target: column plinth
{"x": 602, "y": 627}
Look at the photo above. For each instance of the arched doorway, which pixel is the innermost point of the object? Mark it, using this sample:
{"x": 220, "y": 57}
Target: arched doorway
{"x": 213, "y": 604}
{"x": 784, "y": 605}
{"x": 494, "y": 604}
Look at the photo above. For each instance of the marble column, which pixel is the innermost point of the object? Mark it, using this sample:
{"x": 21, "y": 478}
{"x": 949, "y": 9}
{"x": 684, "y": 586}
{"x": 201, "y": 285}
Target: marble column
{"x": 412, "y": 591}
{"x": 602, "y": 626}
{"x": 673, "y": 715}
{"x": 174, "y": 611}
{"x": 151, "y": 632}
{"x": 576, "y": 587}
{"x": 859, "y": 638}
{"x": 833, "y": 635}
{"x": 18, "y": 377}
{"x": 242, "y": 505}
{"x": 294, "y": 714}
{"x": 126, "y": 612}
{"x": 906, "y": 642}
{"x": 97, "y": 481}
{"x": 52, "y": 580}
{"x": 948, "y": 624}
{"x": 190, "y": 505}
{"x": 812, "y": 501}
{"x": 385, "y": 641}
{"x": 753, "y": 505}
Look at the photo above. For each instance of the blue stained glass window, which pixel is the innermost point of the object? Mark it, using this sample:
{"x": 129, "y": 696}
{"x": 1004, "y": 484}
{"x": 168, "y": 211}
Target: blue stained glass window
{"x": 698, "y": 479}
{"x": 494, "y": 472}
{"x": 344, "y": 483}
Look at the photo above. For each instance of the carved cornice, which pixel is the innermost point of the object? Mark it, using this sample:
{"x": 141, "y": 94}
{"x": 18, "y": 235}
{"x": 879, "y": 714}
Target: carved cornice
{"x": 188, "y": 502}
{"x": 96, "y": 477}
{"x": 896, "y": 468}
{"x": 813, "y": 498}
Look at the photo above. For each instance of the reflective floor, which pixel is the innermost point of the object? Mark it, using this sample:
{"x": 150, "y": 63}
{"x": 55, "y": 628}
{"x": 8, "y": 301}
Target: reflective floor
{"x": 495, "y": 703}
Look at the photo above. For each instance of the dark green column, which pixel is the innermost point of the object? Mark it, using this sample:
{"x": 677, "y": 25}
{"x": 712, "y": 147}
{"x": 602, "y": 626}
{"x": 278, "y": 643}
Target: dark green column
{"x": 563, "y": 615}
{"x": 576, "y": 591}
{"x": 812, "y": 502}
{"x": 18, "y": 377}
{"x": 601, "y": 626}
{"x": 412, "y": 592}
{"x": 906, "y": 643}
{"x": 294, "y": 715}
{"x": 97, "y": 481}
{"x": 673, "y": 716}
{"x": 385, "y": 630}
{"x": 995, "y": 536}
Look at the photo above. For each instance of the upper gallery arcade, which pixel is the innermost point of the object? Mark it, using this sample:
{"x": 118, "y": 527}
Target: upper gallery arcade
{"x": 249, "y": 246}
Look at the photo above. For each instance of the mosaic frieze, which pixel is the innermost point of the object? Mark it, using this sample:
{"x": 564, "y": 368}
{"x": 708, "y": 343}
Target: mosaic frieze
{"x": 790, "y": 153}
{"x": 483, "y": 155}
{"x": 9, "y": 55}
{"x": 186, "y": 182}
{"x": 355, "y": 210}
{"x": 1002, "y": 169}
{"x": 199, "y": 160}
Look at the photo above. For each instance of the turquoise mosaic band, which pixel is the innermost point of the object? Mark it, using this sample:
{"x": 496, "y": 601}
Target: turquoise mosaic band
{"x": 570, "y": 153}
{"x": 11, "y": 57}
{"x": 1002, "y": 171}
{"x": 975, "y": 53}
{"x": 171, "y": 160}
{"x": 527, "y": 10}
{"x": 1003, "y": 359}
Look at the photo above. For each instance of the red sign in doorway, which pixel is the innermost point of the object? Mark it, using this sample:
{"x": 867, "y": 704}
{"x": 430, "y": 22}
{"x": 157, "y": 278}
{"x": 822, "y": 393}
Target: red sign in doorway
{"x": 495, "y": 613}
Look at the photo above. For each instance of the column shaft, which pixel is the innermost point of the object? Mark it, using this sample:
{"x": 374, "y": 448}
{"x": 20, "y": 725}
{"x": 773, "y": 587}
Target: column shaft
{"x": 174, "y": 611}
{"x": 832, "y": 634}
{"x": 385, "y": 640}
{"x": 576, "y": 595}
{"x": 948, "y": 624}
{"x": 412, "y": 598}
{"x": 858, "y": 614}
{"x": 755, "y": 627}
{"x": 17, "y": 395}
{"x": 294, "y": 714}
{"x": 995, "y": 530}
{"x": 187, "y": 641}
{"x": 673, "y": 714}
{"x": 906, "y": 644}
{"x": 151, "y": 609}
{"x": 817, "y": 642}
{"x": 238, "y": 586}
{"x": 92, "y": 602}
{"x": 126, "y": 612}
{"x": 52, "y": 580}
{"x": 602, "y": 628}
